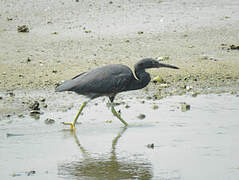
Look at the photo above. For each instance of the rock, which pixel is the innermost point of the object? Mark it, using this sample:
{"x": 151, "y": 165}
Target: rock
{"x": 140, "y": 32}
{"x": 141, "y": 116}
{"x": 11, "y": 94}
{"x": 44, "y": 105}
{"x": 234, "y": 47}
{"x": 49, "y": 121}
{"x": 108, "y": 121}
{"x": 29, "y": 59}
{"x": 29, "y": 173}
{"x": 185, "y": 107}
{"x": 150, "y": 145}
{"x": 127, "y": 106}
{"x": 23, "y": 28}
{"x": 188, "y": 88}
{"x": 34, "y": 106}
{"x": 34, "y": 112}
{"x": 194, "y": 94}
{"x": 158, "y": 79}
{"x": 42, "y": 99}
{"x": 155, "y": 106}
{"x": 21, "y": 116}
{"x": 162, "y": 58}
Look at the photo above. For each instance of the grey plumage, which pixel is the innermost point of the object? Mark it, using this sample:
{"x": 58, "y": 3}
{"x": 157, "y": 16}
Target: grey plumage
{"x": 109, "y": 80}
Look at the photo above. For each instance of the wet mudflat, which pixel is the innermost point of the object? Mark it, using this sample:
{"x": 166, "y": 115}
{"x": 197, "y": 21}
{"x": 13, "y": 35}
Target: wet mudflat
{"x": 200, "y": 143}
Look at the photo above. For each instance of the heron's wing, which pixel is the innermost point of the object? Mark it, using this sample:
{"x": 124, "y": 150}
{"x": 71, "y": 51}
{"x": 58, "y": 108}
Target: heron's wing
{"x": 78, "y": 75}
{"x": 105, "y": 80}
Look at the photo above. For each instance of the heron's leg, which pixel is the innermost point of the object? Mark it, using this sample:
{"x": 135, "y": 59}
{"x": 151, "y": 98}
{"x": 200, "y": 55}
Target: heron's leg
{"x": 117, "y": 115}
{"x": 72, "y": 124}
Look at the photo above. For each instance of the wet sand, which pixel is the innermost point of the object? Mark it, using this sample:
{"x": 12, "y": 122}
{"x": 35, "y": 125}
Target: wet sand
{"x": 196, "y": 144}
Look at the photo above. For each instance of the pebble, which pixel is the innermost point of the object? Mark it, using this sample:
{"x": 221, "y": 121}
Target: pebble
{"x": 22, "y": 28}
{"x": 34, "y": 106}
{"x": 150, "y": 145}
{"x": 162, "y": 58}
{"x": 155, "y": 106}
{"x": 141, "y": 116}
{"x": 49, "y": 121}
{"x": 185, "y": 107}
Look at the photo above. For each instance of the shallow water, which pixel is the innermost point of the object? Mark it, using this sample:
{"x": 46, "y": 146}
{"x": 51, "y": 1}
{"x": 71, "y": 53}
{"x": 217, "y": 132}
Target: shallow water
{"x": 201, "y": 143}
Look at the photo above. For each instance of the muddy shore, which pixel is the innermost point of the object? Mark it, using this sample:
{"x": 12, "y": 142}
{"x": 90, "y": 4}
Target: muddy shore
{"x": 65, "y": 39}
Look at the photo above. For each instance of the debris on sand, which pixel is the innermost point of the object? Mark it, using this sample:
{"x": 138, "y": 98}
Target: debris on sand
{"x": 49, "y": 121}
{"x": 185, "y": 107}
{"x": 108, "y": 121}
{"x": 22, "y": 28}
{"x": 34, "y": 105}
{"x": 162, "y": 58}
{"x": 151, "y": 146}
{"x": 158, "y": 79}
{"x": 29, "y": 173}
{"x": 155, "y": 106}
{"x": 12, "y": 134}
{"x": 140, "y": 32}
{"x": 234, "y": 47}
{"x": 141, "y": 116}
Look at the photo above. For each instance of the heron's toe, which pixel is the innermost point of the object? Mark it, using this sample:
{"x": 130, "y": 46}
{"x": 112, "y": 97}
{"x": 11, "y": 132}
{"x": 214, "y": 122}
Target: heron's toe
{"x": 71, "y": 124}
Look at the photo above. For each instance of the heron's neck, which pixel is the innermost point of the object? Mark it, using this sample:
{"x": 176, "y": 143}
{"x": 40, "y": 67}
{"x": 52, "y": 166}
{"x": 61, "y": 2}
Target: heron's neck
{"x": 143, "y": 79}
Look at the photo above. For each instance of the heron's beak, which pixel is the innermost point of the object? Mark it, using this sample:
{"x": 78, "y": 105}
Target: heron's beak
{"x": 166, "y": 66}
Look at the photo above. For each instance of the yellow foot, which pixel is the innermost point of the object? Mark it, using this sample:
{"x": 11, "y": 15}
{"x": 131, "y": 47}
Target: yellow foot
{"x": 71, "y": 124}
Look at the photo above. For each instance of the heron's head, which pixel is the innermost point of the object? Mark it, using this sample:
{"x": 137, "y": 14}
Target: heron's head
{"x": 151, "y": 63}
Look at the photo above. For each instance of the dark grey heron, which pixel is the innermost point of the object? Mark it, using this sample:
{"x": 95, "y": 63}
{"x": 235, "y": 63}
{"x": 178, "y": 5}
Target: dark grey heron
{"x": 108, "y": 81}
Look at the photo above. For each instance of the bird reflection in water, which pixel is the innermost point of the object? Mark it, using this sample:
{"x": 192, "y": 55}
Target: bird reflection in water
{"x": 112, "y": 167}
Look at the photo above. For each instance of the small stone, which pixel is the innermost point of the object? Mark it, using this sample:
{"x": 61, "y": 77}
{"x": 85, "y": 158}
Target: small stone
{"x": 140, "y": 32}
{"x": 234, "y": 47}
{"x": 194, "y": 94}
{"x": 108, "y": 121}
{"x": 155, "y": 106}
{"x": 188, "y": 88}
{"x": 162, "y": 58}
{"x": 44, "y": 105}
{"x": 150, "y": 145}
{"x": 34, "y": 106}
{"x": 141, "y": 116}
{"x": 158, "y": 79}
{"x": 127, "y": 106}
{"x": 21, "y": 116}
{"x": 49, "y": 121}
{"x": 87, "y": 31}
{"x": 11, "y": 94}
{"x": 1, "y": 98}
{"x": 28, "y": 59}
{"x": 185, "y": 107}
{"x": 164, "y": 85}
{"x": 29, "y": 173}
{"x": 9, "y": 19}
{"x": 23, "y": 28}
{"x": 55, "y": 33}
{"x": 34, "y": 112}
{"x": 42, "y": 99}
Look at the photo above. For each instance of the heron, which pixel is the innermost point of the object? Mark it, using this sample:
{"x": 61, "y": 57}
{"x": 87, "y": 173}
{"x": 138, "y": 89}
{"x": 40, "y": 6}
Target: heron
{"x": 109, "y": 80}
